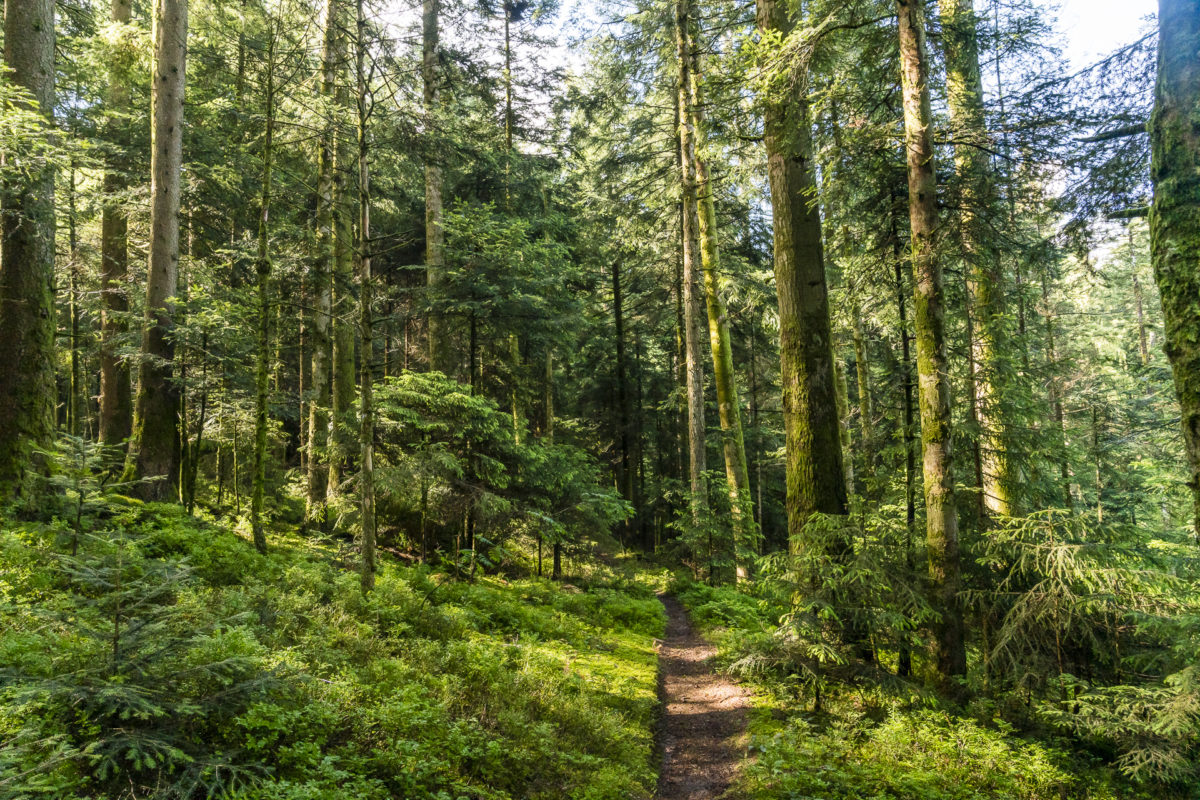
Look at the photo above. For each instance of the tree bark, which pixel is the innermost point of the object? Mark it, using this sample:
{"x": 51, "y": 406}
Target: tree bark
{"x": 733, "y": 440}
{"x": 1175, "y": 213}
{"x": 27, "y": 319}
{"x": 320, "y": 375}
{"x": 156, "y": 447}
{"x": 263, "y": 273}
{"x": 625, "y": 471}
{"x": 341, "y": 442}
{"x": 366, "y": 475}
{"x": 115, "y": 391}
{"x": 116, "y": 400}
{"x": 692, "y": 312}
{"x": 964, "y": 91}
{"x": 933, "y": 394}
{"x": 866, "y": 411}
{"x": 815, "y": 477}
{"x": 442, "y": 357}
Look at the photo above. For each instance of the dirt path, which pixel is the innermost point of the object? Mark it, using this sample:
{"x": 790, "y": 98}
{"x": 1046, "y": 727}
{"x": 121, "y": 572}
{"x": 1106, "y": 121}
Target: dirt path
{"x": 702, "y": 712}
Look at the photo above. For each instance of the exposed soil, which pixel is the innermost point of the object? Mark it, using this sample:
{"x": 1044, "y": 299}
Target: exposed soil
{"x": 703, "y": 713}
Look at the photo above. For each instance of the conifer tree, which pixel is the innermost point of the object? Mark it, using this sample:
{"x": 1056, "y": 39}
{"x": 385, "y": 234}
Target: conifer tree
{"x": 1175, "y": 213}
{"x": 155, "y": 451}
{"x": 933, "y": 395}
{"x": 27, "y": 318}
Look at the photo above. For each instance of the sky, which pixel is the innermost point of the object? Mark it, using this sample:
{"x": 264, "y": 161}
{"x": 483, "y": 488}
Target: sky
{"x": 1093, "y": 28}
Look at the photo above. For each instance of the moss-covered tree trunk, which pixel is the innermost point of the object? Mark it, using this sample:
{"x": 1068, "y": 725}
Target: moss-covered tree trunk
{"x": 692, "y": 311}
{"x": 733, "y": 442}
{"x": 815, "y": 478}
{"x": 262, "y": 270}
{"x": 442, "y": 357}
{"x": 964, "y": 92}
{"x": 27, "y": 321}
{"x": 320, "y": 374}
{"x": 933, "y": 393}
{"x": 116, "y": 396}
{"x": 156, "y": 447}
{"x": 1175, "y": 213}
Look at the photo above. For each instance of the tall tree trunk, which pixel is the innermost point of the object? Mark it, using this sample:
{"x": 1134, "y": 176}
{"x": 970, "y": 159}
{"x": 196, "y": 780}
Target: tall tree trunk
{"x": 342, "y": 444}
{"x": 866, "y": 411}
{"x": 694, "y": 370}
{"x": 442, "y": 357}
{"x": 1175, "y": 214}
{"x": 1056, "y": 398}
{"x": 320, "y": 375}
{"x": 366, "y": 475}
{"x": 76, "y": 404}
{"x": 262, "y": 271}
{"x": 904, "y": 666}
{"x": 625, "y": 471}
{"x": 737, "y": 474}
{"x": 155, "y": 451}
{"x": 816, "y": 480}
{"x": 964, "y": 91}
{"x": 27, "y": 319}
{"x": 1139, "y": 304}
{"x": 116, "y": 400}
{"x": 941, "y": 532}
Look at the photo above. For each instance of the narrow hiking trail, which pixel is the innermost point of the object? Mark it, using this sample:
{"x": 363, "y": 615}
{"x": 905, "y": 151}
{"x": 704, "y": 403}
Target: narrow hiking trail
{"x": 702, "y": 713}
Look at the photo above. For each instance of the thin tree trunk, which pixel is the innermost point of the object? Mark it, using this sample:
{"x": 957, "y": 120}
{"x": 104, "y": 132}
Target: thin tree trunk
{"x": 724, "y": 377}
{"x": 941, "y": 531}
{"x": 866, "y": 411}
{"x": 691, "y": 290}
{"x": 193, "y": 466}
{"x": 27, "y": 319}
{"x": 1056, "y": 398}
{"x": 341, "y": 443}
{"x": 1139, "y": 301}
{"x": 441, "y": 354}
{"x": 625, "y": 473}
{"x": 75, "y": 398}
{"x": 904, "y": 667}
{"x": 116, "y": 400}
{"x": 1175, "y": 214}
{"x": 366, "y": 475}
{"x": 263, "y": 273}
{"x": 156, "y": 449}
{"x": 320, "y": 374}
{"x": 816, "y": 481}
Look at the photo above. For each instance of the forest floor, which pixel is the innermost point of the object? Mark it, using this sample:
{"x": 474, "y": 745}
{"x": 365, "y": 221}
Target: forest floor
{"x": 703, "y": 714}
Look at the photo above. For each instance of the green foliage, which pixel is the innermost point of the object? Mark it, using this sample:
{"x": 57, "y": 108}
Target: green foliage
{"x": 252, "y": 676}
{"x": 909, "y": 756}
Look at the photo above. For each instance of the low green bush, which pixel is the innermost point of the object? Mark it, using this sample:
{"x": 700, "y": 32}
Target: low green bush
{"x": 271, "y": 677}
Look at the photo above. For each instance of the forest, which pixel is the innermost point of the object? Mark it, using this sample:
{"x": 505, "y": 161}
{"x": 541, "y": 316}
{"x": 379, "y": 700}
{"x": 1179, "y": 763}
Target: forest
{"x": 609, "y": 400}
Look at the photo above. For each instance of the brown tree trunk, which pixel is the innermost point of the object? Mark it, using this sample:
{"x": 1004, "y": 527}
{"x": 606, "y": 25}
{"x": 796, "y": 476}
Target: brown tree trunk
{"x": 366, "y": 475}
{"x": 815, "y": 476}
{"x": 442, "y": 357}
{"x": 156, "y": 434}
{"x": 692, "y": 310}
{"x": 320, "y": 373}
{"x": 1175, "y": 213}
{"x": 941, "y": 532}
{"x": 27, "y": 320}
